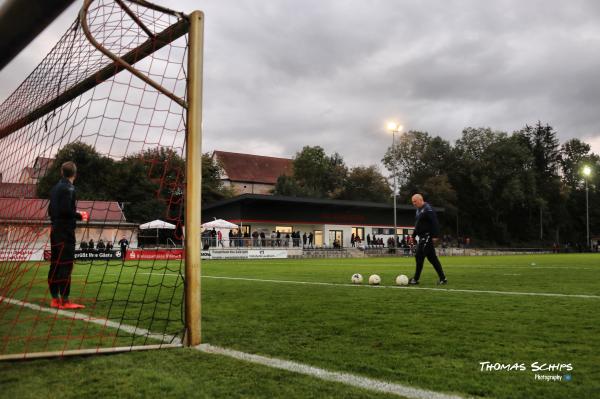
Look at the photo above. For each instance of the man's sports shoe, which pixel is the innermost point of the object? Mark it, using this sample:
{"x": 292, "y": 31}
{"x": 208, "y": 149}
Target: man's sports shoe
{"x": 443, "y": 282}
{"x": 55, "y": 303}
{"x": 71, "y": 305}
{"x": 412, "y": 281}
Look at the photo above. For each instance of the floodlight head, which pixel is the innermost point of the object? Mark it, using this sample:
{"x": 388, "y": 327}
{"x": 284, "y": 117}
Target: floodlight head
{"x": 394, "y": 127}
{"x": 587, "y": 170}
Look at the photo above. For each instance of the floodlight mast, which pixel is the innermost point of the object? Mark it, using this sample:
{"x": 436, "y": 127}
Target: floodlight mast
{"x": 394, "y": 128}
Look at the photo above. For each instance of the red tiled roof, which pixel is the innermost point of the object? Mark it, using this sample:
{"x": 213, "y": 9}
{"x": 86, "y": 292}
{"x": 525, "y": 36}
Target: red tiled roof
{"x": 36, "y": 209}
{"x": 253, "y": 168}
{"x": 17, "y": 190}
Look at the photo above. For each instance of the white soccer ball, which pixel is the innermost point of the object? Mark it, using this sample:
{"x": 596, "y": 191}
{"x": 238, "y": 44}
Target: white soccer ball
{"x": 374, "y": 279}
{"x": 357, "y": 278}
{"x": 532, "y": 263}
{"x": 402, "y": 280}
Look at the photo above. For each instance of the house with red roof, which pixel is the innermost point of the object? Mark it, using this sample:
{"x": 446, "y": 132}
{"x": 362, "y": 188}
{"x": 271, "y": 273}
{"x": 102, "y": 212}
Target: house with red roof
{"x": 31, "y": 175}
{"x": 251, "y": 174}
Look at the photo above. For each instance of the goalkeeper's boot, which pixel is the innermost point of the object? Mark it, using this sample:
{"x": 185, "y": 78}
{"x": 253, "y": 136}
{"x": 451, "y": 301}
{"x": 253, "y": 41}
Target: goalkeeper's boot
{"x": 412, "y": 281}
{"x": 55, "y": 303}
{"x": 66, "y": 304}
{"x": 443, "y": 281}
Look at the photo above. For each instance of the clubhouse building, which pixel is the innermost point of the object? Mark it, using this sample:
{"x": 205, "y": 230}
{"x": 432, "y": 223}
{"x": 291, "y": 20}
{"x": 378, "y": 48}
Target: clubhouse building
{"x": 328, "y": 220}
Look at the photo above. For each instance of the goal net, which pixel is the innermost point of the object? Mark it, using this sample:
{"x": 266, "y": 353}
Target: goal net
{"x": 112, "y": 97}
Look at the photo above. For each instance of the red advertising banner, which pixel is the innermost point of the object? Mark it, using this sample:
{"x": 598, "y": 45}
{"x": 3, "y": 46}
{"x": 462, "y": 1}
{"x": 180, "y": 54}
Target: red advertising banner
{"x": 154, "y": 254}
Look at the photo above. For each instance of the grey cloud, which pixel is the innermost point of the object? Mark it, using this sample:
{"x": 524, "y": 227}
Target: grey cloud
{"x": 283, "y": 74}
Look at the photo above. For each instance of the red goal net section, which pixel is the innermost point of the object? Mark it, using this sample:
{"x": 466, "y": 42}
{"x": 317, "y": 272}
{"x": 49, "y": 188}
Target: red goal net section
{"x": 119, "y": 95}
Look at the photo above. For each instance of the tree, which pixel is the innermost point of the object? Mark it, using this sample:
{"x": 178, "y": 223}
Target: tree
{"x": 405, "y": 157}
{"x": 575, "y": 153}
{"x": 287, "y": 185}
{"x": 148, "y": 185}
{"x": 543, "y": 144}
{"x": 365, "y": 184}
{"x": 164, "y": 183}
{"x": 315, "y": 174}
{"x": 95, "y": 173}
{"x": 137, "y": 193}
{"x": 212, "y": 186}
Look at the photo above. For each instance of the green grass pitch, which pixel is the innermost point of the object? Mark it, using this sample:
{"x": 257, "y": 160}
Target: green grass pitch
{"x": 495, "y": 309}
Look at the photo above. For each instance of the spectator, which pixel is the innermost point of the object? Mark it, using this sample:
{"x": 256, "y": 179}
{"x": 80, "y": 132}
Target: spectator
{"x": 124, "y": 244}
{"x": 91, "y": 244}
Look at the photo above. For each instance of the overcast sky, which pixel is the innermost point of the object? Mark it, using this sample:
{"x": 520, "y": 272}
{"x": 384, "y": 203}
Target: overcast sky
{"x": 281, "y": 74}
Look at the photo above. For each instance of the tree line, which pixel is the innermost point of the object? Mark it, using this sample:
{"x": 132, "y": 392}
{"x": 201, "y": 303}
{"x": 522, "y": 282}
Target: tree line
{"x": 507, "y": 189}
{"x": 523, "y": 188}
{"x": 148, "y": 185}
{"x": 497, "y": 188}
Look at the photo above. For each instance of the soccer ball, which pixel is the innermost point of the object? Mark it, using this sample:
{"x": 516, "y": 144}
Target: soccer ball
{"x": 374, "y": 279}
{"x": 357, "y": 278}
{"x": 402, "y": 280}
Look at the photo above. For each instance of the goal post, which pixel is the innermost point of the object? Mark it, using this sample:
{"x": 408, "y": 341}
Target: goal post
{"x": 194, "y": 186}
{"x": 120, "y": 94}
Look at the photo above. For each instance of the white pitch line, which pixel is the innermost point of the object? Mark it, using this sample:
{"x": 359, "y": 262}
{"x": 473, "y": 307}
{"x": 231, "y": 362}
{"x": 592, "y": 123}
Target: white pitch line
{"x": 543, "y": 294}
{"x": 102, "y": 322}
{"x": 300, "y": 368}
{"x": 327, "y": 375}
{"x": 546, "y": 294}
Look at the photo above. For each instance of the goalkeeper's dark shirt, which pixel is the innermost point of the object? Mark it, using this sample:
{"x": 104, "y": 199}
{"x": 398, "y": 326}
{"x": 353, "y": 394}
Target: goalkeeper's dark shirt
{"x": 426, "y": 222}
{"x": 62, "y": 207}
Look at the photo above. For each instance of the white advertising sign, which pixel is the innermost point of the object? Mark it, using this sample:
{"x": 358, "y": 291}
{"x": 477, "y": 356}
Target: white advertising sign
{"x": 267, "y": 254}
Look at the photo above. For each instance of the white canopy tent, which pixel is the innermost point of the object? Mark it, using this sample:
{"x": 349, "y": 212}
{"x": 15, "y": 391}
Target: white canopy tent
{"x": 157, "y": 224}
{"x": 219, "y": 224}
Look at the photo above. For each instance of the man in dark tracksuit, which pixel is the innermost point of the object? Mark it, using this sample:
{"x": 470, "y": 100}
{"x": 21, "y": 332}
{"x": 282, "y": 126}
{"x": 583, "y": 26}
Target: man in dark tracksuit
{"x": 124, "y": 244}
{"x": 63, "y": 216}
{"x": 426, "y": 228}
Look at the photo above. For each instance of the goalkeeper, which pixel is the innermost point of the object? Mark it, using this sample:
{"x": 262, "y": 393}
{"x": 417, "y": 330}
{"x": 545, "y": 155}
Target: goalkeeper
{"x": 63, "y": 216}
{"x": 426, "y": 228}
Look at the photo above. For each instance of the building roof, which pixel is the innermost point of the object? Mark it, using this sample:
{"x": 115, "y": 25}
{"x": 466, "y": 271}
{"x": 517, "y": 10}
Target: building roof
{"x": 17, "y": 190}
{"x": 253, "y": 168}
{"x": 292, "y": 211}
{"x": 39, "y": 169}
{"x": 36, "y": 210}
{"x": 302, "y": 200}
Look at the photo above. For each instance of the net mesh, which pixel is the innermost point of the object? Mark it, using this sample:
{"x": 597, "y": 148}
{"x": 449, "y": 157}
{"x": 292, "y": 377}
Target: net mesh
{"x": 127, "y": 140}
